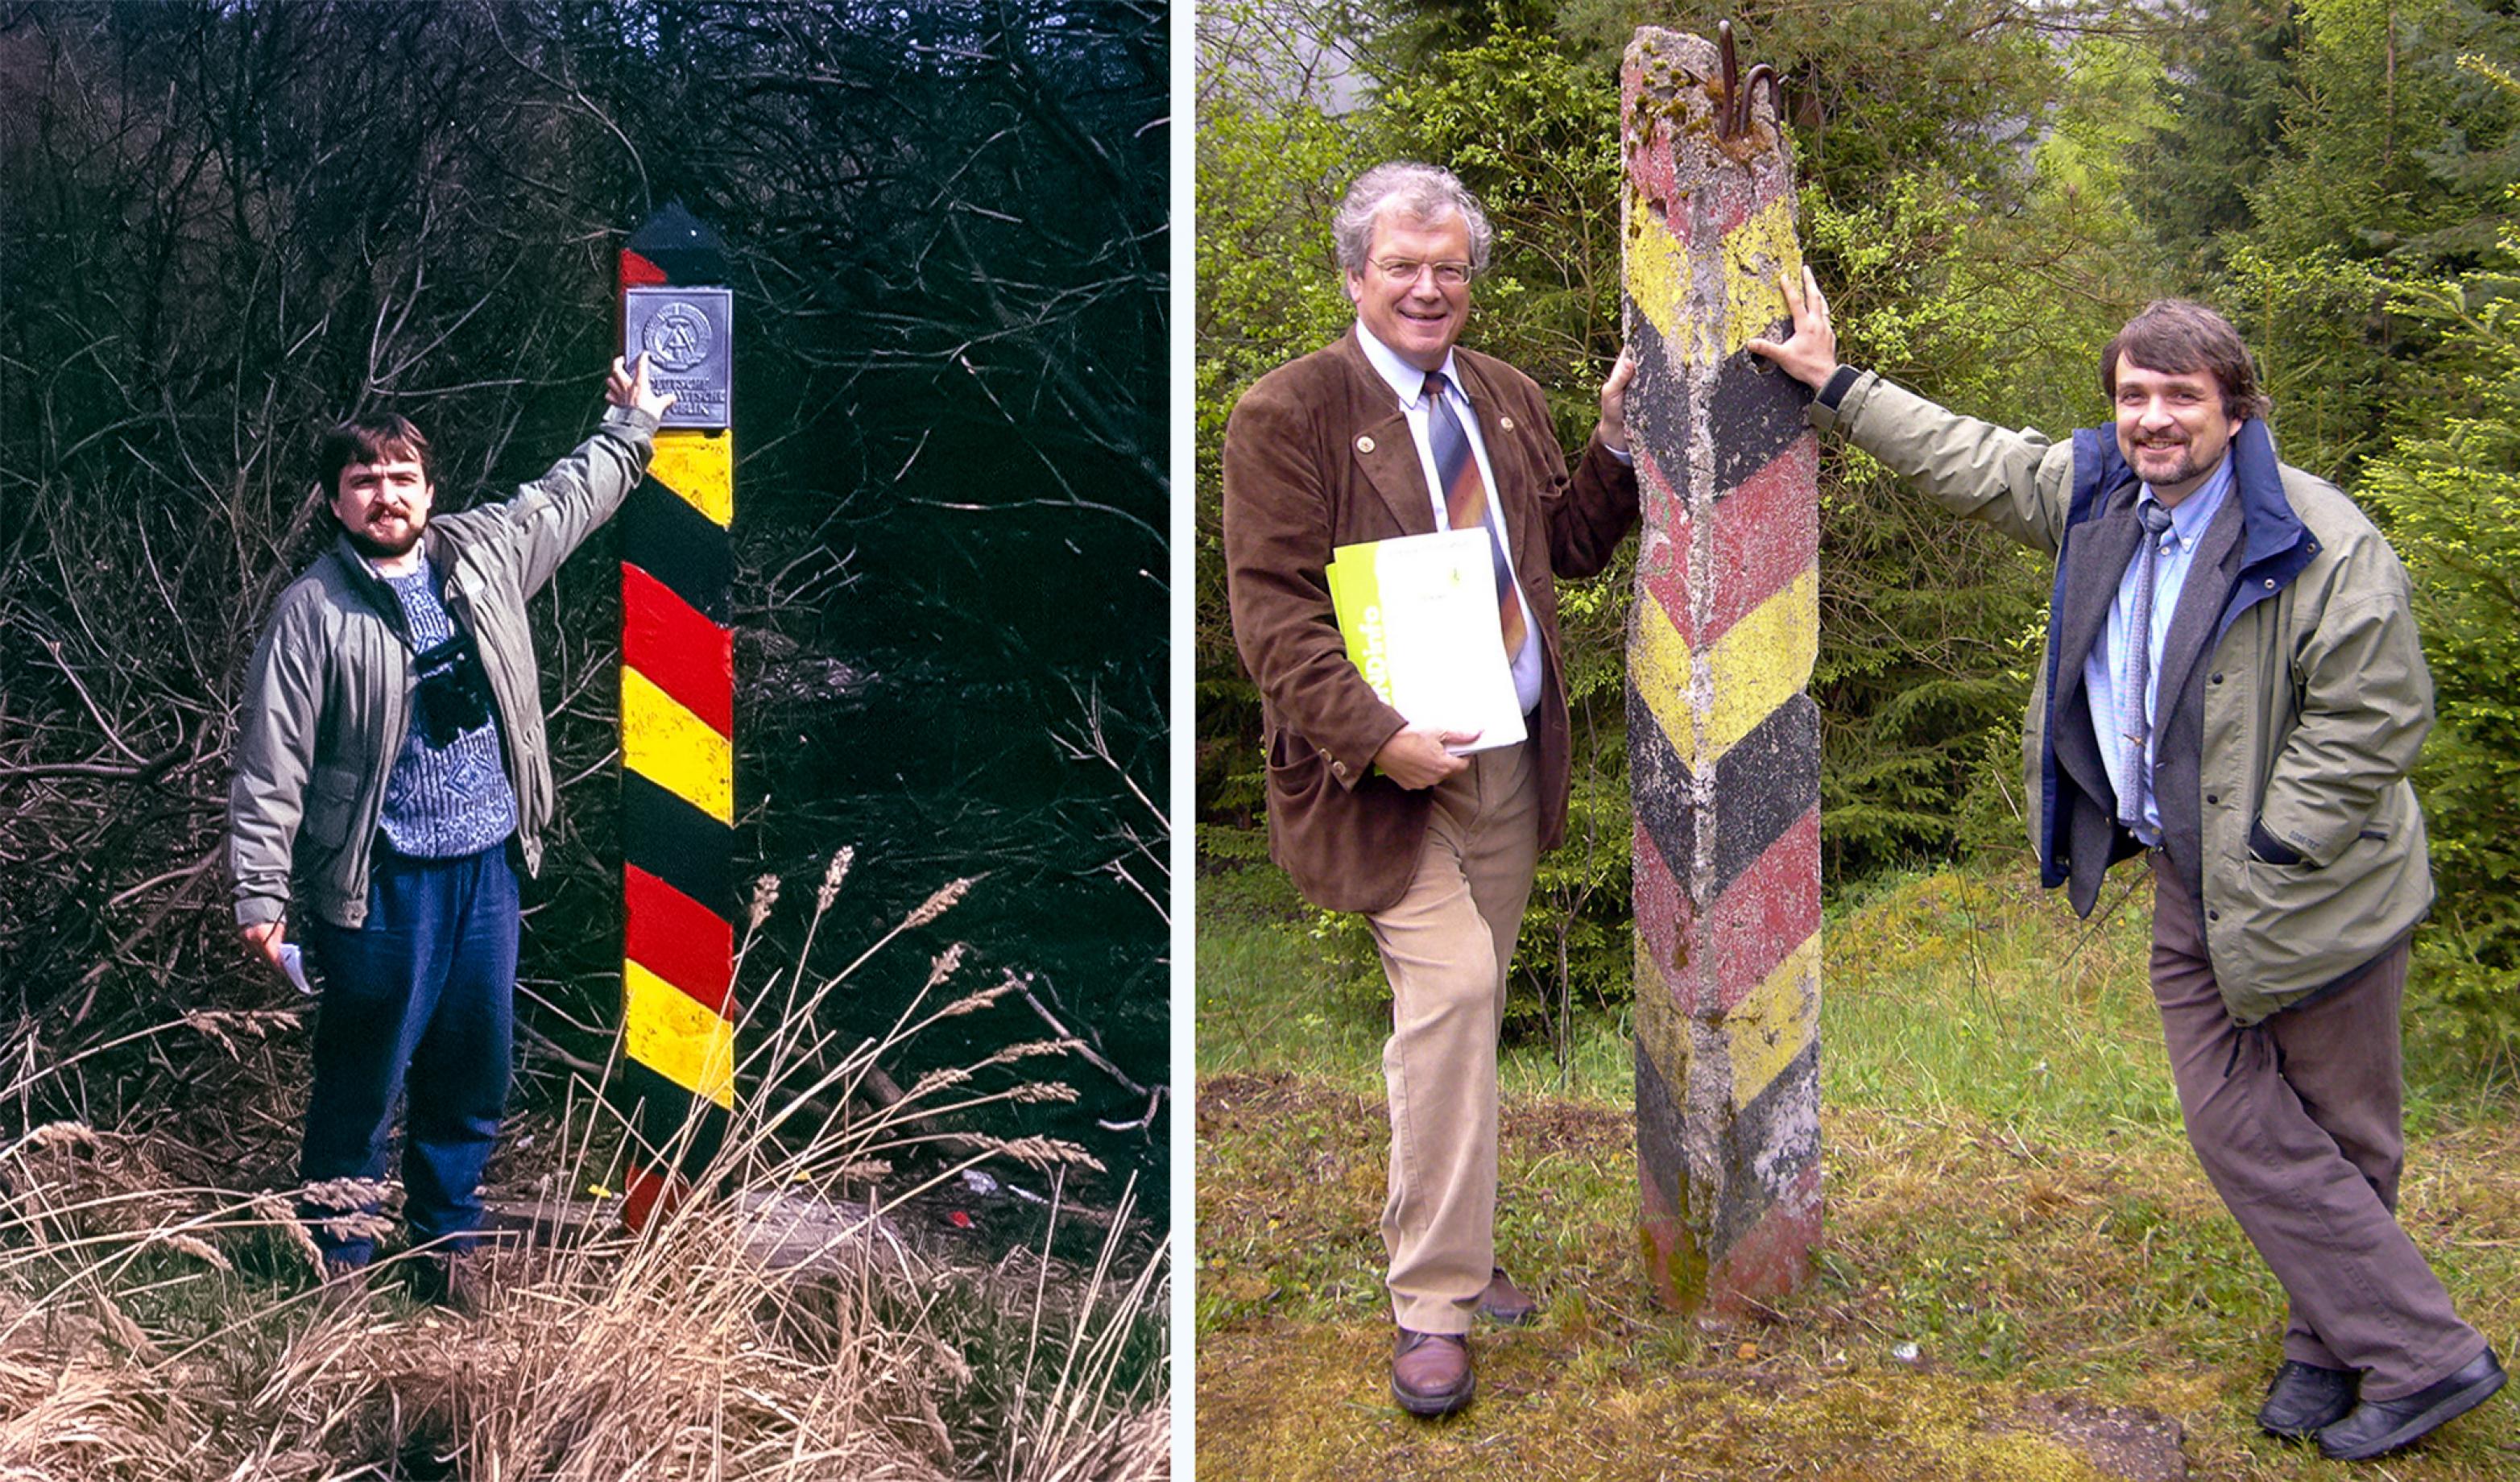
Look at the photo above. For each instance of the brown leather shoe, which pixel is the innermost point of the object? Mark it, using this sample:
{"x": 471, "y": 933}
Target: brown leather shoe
{"x": 1430, "y": 1373}
{"x": 1503, "y": 1302}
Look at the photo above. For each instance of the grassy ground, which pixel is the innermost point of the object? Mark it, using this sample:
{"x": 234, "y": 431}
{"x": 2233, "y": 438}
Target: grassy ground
{"x": 2008, "y": 1191}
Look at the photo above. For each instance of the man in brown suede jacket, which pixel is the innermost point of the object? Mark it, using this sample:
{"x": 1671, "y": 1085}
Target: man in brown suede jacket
{"x": 1391, "y": 431}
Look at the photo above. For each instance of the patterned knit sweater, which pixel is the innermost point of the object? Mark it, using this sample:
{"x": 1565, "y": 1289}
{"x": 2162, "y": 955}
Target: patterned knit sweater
{"x": 443, "y": 803}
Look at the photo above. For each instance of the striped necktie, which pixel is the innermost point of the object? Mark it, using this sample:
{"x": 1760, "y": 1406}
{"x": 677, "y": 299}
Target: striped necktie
{"x": 2134, "y": 707}
{"x": 1466, "y": 502}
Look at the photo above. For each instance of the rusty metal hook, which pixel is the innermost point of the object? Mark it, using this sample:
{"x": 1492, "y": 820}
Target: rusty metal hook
{"x": 1733, "y": 120}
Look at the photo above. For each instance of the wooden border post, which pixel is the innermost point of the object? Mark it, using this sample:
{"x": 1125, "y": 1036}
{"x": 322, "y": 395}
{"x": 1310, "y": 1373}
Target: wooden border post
{"x": 677, "y": 718}
{"x": 1723, "y": 741}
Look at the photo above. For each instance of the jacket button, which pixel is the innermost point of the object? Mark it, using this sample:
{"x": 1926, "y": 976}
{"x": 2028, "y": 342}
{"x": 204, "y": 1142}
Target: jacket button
{"x": 2218, "y": 677}
{"x": 2213, "y": 916}
{"x": 1505, "y": 424}
{"x": 2211, "y": 798}
{"x": 2271, "y": 583}
{"x": 1365, "y": 444}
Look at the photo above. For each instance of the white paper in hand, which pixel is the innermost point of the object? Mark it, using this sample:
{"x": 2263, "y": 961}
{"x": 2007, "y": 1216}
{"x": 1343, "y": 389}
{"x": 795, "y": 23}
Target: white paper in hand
{"x": 1425, "y": 632}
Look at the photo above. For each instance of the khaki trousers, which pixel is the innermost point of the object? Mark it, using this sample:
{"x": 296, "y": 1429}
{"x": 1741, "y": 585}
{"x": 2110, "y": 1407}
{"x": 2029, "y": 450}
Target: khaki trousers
{"x": 2297, "y": 1122}
{"x": 1446, "y": 947}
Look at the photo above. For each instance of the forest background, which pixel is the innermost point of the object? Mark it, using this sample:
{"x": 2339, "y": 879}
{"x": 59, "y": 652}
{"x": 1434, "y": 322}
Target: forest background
{"x": 1989, "y": 190}
{"x": 224, "y": 225}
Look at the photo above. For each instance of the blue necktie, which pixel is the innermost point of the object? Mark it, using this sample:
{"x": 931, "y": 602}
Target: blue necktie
{"x": 2134, "y": 708}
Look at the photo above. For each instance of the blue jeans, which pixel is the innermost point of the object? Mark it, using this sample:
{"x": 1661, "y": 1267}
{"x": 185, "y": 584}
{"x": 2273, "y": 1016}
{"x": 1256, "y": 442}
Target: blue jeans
{"x": 422, "y": 997}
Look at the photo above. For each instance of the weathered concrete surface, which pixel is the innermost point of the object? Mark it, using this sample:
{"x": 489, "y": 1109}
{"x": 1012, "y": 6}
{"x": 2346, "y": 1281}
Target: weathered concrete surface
{"x": 1723, "y": 741}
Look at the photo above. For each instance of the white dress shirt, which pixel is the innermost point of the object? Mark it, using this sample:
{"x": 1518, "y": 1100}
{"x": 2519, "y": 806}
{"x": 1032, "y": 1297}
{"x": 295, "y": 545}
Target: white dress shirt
{"x": 1408, "y": 385}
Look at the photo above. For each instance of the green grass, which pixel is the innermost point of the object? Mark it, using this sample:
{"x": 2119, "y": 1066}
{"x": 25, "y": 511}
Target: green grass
{"x": 2008, "y": 1189}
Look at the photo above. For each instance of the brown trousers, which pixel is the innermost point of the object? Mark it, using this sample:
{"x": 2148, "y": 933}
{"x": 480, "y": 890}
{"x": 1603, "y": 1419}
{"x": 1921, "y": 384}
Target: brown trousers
{"x": 1446, "y": 947}
{"x": 2297, "y": 1122}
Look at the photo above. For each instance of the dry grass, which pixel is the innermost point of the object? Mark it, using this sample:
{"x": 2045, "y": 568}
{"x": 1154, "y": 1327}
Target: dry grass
{"x": 154, "y": 1326}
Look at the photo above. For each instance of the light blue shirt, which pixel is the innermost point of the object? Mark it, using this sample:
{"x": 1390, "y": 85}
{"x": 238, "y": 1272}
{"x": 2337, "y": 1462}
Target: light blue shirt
{"x": 2189, "y": 520}
{"x": 1409, "y": 384}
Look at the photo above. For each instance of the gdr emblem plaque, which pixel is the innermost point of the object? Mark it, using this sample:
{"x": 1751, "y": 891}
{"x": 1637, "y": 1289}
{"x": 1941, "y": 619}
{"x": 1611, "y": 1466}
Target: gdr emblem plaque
{"x": 688, "y": 335}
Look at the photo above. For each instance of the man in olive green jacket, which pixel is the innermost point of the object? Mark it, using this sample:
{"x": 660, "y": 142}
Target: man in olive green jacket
{"x": 2231, "y": 686}
{"x": 391, "y": 756}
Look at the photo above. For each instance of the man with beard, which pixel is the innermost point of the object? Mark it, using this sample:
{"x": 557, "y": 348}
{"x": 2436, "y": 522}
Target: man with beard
{"x": 1392, "y": 431}
{"x": 2232, "y": 688}
{"x": 392, "y": 770}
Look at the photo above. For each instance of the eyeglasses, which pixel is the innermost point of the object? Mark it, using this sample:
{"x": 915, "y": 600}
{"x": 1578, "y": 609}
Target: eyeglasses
{"x": 1449, "y": 274}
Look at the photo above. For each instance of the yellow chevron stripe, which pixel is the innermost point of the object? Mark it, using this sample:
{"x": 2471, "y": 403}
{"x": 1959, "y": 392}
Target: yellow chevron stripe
{"x": 1774, "y": 1021}
{"x": 1660, "y": 665}
{"x": 1662, "y": 1030}
{"x": 700, "y": 467}
{"x": 1761, "y": 661}
{"x": 1657, "y": 275}
{"x": 676, "y": 1036}
{"x": 1757, "y": 253}
{"x": 674, "y": 748}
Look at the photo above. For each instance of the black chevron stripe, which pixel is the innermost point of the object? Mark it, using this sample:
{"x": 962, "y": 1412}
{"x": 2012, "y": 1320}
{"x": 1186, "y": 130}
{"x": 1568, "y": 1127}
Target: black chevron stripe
{"x": 679, "y": 546}
{"x": 1764, "y": 785}
{"x": 677, "y": 843}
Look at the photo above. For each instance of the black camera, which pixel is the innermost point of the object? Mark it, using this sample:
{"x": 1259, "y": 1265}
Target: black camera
{"x": 454, "y": 694}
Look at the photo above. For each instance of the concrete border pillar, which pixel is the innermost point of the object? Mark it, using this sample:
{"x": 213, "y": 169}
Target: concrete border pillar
{"x": 1723, "y": 741}
{"x": 677, "y": 719}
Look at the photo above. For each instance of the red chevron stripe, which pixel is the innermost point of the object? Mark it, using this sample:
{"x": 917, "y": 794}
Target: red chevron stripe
{"x": 1772, "y": 1257}
{"x": 1767, "y": 533}
{"x": 676, "y": 938}
{"x": 637, "y": 272}
{"x": 649, "y": 1194}
{"x": 1661, "y": 910}
{"x": 1767, "y": 911}
{"x": 1662, "y": 565}
{"x": 678, "y": 648}
{"x": 1712, "y": 956}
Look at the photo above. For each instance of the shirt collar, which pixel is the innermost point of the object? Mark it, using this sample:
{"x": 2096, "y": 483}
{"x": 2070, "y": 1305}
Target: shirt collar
{"x": 2190, "y": 516}
{"x": 1406, "y": 380}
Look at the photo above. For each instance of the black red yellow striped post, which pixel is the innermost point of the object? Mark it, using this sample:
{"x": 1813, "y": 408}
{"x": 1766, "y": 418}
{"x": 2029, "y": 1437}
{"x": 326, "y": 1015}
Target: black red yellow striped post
{"x": 677, "y": 728}
{"x": 1723, "y": 741}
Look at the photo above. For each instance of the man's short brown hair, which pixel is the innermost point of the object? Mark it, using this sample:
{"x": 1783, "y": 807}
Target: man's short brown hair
{"x": 381, "y": 439}
{"x": 2177, "y": 336}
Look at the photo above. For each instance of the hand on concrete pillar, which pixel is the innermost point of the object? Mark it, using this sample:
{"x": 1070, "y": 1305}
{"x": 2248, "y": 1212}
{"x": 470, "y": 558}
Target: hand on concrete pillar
{"x": 1415, "y": 757}
{"x": 1613, "y": 430}
{"x": 1810, "y": 355}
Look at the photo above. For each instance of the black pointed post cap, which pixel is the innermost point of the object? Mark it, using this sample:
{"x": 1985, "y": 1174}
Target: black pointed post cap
{"x": 681, "y": 243}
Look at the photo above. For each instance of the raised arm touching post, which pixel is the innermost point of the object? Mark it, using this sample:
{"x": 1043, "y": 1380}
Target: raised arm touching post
{"x": 392, "y": 783}
{"x": 2232, "y": 692}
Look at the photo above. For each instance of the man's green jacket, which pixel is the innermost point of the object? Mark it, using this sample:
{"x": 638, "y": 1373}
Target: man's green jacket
{"x": 2305, "y": 704}
{"x": 328, "y": 696}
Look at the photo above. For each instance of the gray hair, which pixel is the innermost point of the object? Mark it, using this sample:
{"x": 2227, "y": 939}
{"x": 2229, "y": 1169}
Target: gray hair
{"x": 1423, "y": 194}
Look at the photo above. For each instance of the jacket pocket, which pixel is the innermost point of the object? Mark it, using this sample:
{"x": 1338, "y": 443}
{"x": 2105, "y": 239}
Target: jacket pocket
{"x": 1296, "y": 767}
{"x": 332, "y": 804}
